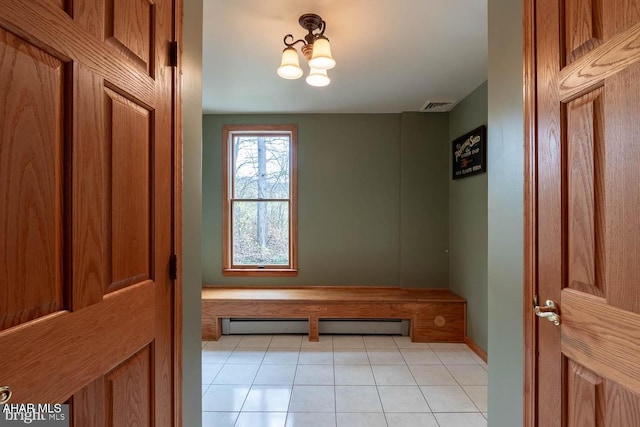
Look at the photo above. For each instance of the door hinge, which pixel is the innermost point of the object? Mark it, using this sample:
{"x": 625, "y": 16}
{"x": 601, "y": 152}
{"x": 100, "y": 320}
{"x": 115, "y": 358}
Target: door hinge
{"x": 173, "y": 53}
{"x": 173, "y": 267}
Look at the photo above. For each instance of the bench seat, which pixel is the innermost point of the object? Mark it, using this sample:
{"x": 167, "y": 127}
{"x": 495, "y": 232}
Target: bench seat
{"x": 435, "y": 315}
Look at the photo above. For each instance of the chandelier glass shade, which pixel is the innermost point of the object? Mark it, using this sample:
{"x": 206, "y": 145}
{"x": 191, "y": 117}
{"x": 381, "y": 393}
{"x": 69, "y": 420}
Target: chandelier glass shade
{"x": 290, "y": 66}
{"x": 315, "y": 48}
{"x": 321, "y": 58}
{"x": 318, "y": 77}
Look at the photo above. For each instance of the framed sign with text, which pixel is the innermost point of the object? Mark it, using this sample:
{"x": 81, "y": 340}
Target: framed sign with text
{"x": 469, "y": 153}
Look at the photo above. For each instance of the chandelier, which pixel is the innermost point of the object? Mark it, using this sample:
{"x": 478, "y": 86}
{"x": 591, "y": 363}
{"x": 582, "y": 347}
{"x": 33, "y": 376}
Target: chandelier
{"x": 315, "y": 48}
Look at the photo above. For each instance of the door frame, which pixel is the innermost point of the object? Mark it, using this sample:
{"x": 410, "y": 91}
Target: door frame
{"x": 530, "y": 212}
{"x": 176, "y": 105}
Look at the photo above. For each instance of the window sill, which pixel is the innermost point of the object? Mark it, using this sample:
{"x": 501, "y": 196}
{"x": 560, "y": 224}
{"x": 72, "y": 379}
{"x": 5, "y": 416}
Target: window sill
{"x": 260, "y": 272}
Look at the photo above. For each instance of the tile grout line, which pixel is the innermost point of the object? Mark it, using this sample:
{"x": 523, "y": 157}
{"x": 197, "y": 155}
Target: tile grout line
{"x": 365, "y": 350}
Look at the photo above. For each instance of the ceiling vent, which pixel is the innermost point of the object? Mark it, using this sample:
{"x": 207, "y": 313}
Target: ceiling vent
{"x": 438, "y": 106}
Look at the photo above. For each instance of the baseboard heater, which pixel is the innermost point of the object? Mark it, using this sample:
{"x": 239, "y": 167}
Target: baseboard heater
{"x": 301, "y": 326}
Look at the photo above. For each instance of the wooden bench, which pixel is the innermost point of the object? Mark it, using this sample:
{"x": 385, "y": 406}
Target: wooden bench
{"x": 435, "y": 315}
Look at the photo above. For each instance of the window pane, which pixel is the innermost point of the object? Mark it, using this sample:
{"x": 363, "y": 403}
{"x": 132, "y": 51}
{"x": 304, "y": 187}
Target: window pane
{"x": 260, "y": 233}
{"x": 261, "y": 167}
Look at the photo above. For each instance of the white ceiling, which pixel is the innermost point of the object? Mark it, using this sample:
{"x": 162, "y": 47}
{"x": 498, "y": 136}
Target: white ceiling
{"x": 392, "y": 55}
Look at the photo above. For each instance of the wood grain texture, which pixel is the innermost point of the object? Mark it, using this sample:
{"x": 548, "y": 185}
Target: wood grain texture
{"x": 129, "y": 28}
{"x": 211, "y": 326}
{"x": 62, "y": 4}
{"x": 421, "y": 306}
{"x": 608, "y": 59}
{"x": 622, "y": 406}
{"x": 131, "y": 147}
{"x": 90, "y": 206}
{"x": 42, "y": 20}
{"x": 88, "y": 405}
{"x": 302, "y": 310}
{"x": 328, "y": 293}
{"x": 129, "y": 392}
{"x": 622, "y": 192}
{"x": 90, "y": 14}
{"x": 75, "y": 348}
{"x": 163, "y": 204}
{"x": 586, "y": 401}
{"x": 583, "y": 27}
{"x": 314, "y": 329}
{"x": 32, "y": 87}
{"x": 439, "y": 322}
{"x": 602, "y": 338}
{"x": 620, "y": 16}
{"x": 550, "y": 244}
{"x": 584, "y": 139}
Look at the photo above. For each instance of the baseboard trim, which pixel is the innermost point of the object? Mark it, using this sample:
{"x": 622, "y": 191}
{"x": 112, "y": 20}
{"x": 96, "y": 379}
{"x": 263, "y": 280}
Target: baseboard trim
{"x": 476, "y": 348}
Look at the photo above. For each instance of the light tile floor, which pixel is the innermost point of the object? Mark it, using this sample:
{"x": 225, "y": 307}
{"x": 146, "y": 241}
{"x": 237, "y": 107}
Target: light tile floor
{"x": 341, "y": 381}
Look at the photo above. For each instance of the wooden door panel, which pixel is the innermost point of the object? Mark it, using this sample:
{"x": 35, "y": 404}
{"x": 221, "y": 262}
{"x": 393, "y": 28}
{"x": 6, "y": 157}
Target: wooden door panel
{"x": 129, "y": 391}
{"x": 87, "y": 407}
{"x": 583, "y": 27}
{"x": 620, "y": 16}
{"x": 586, "y": 401}
{"x": 129, "y": 29}
{"x": 131, "y": 147}
{"x": 623, "y": 406}
{"x": 32, "y": 88}
{"x": 584, "y": 164}
{"x": 90, "y": 188}
{"x": 90, "y": 15}
{"x": 622, "y": 193}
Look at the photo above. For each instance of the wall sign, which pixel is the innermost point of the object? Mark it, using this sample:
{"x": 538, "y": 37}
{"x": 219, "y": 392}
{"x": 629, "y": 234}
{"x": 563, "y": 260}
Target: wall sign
{"x": 469, "y": 153}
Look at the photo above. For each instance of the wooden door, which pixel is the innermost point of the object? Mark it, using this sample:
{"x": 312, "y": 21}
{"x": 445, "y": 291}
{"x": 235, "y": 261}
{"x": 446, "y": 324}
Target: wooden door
{"x": 86, "y": 301}
{"x": 588, "y": 211}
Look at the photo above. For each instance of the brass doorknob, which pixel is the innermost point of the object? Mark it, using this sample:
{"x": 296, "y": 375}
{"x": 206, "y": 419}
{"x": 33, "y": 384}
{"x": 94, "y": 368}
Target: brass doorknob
{"x": 548, "y": 311}
{"x": 5, "y": 394}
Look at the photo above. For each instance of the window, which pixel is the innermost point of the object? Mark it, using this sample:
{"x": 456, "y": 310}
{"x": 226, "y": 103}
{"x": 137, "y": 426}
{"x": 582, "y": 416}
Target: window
{"x": 259, "y": 190}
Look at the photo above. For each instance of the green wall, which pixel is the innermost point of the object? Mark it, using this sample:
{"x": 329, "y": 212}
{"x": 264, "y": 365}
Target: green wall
{"x": 372, "y": 199}
{"x": 423, "y": 200}
{"x": 191, "y": 266}
{"x": 505, "y": 236}
{"x": 468, "y": 222}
